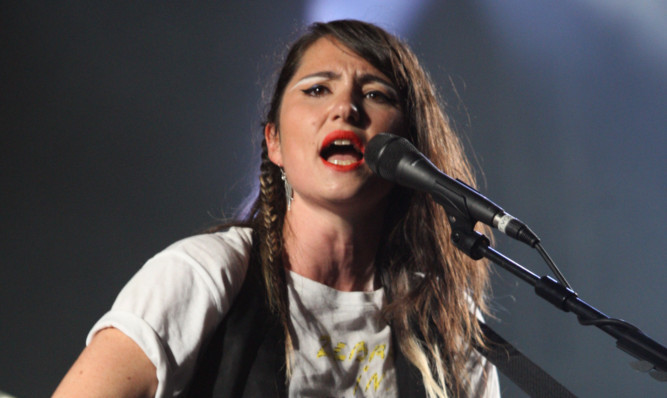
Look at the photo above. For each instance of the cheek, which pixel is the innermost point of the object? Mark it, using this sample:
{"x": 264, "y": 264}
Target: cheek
{"x": 302, "y": 116}
{"x": 297, "y": 150}
{"x": 298, "y": 130}
{"x": 392, "y": 122}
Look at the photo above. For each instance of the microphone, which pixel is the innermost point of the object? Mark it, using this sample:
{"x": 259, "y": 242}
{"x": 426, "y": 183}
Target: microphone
{"x": 395, "y": 159}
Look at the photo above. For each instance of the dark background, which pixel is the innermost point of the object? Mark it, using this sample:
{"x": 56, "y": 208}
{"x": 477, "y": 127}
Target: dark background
{"x": 128, "y": 126}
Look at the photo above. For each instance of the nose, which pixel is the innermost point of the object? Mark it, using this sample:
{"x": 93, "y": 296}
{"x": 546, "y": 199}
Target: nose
{"x": 347, "y": 108}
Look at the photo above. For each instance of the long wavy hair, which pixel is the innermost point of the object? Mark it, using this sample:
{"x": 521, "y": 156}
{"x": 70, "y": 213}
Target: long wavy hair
{"x": 432, "y": 317}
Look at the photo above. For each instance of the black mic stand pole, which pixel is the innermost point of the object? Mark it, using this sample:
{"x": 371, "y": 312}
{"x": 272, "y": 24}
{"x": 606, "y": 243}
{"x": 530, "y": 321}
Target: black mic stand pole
{"x": 628, "y": 337}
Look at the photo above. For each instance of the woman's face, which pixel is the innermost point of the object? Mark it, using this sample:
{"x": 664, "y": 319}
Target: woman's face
{"x": 333, "y": 105}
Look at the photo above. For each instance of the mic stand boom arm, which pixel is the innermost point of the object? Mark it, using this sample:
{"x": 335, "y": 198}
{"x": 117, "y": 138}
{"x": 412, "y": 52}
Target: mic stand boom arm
{"x": 628, "y": 337}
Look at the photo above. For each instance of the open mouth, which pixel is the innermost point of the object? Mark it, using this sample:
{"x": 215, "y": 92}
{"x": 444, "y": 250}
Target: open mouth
{"x": 342, "y": 150}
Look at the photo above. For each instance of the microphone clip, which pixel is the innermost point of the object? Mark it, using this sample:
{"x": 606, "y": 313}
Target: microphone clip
{"x": 464, "y": 236}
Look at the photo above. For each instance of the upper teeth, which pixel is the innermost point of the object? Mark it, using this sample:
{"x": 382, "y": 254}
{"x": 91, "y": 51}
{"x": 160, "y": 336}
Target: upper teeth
{"x": 342, "y": 142}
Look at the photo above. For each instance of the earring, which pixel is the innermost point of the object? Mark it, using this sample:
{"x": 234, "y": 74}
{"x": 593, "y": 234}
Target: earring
{"x": 288, "y": 189}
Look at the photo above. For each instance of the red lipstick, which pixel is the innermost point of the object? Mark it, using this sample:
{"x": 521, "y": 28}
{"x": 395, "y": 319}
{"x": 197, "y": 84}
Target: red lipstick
{"x": 342, "y": 150}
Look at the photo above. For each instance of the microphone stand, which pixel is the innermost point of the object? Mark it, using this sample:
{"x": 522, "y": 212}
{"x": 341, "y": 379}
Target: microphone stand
{"x": 628, "y": 337}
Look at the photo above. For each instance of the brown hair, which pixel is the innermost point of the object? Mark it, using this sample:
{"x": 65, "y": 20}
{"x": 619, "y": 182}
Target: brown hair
{"x": 433, "y": 318}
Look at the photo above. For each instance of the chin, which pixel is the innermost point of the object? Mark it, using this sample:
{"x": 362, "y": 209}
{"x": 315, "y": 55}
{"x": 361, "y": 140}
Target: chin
{"x": 364, "y": 197}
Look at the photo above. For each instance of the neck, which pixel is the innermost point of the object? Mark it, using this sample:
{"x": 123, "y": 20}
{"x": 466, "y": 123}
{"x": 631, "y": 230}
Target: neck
{"x": 333, "y": 249}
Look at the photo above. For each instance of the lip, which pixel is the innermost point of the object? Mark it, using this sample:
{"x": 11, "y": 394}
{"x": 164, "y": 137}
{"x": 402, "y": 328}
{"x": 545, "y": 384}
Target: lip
{"x": 343, "y": 135}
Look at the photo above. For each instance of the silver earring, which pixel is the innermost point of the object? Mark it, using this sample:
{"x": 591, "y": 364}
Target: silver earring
{"x": 288, "y": 189}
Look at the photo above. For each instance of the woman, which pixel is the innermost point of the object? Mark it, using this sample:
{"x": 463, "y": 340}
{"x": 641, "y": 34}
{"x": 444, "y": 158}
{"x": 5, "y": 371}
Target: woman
{"x": 356, "y": 272}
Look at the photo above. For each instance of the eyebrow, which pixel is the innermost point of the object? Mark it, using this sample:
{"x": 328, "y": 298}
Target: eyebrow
{"x": 363, "y": 79}
{"x": 371, "y": 78}
{"x": 317, "y": 75}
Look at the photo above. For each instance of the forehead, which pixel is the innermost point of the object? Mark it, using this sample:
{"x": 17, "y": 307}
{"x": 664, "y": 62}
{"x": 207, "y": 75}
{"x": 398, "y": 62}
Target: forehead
{"x": 328, "y": 54}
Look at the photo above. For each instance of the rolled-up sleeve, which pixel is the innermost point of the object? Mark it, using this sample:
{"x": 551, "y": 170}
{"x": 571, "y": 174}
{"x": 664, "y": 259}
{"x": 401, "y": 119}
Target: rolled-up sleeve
{"x": 176, "y": 300}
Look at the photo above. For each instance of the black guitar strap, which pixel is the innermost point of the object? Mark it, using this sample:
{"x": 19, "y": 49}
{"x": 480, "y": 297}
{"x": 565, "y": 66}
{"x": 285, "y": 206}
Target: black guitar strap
{"x": 252, "y": 340}
{"x": 517, "y": 367}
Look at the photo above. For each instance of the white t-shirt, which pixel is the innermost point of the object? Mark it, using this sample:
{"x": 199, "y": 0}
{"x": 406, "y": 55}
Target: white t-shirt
{"x": 342, "y": 346}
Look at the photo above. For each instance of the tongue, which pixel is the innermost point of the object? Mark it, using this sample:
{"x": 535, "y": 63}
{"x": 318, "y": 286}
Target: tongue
{"x": 342, "y": 154}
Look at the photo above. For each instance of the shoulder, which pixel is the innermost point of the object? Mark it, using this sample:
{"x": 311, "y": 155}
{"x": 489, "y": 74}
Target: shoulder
{"x": 231, "y": 244}
{"x": 206, "y": 269}
{"x": 217, "y": 262}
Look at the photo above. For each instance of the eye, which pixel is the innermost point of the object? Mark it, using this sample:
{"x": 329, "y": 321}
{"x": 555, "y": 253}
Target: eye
{"x": 316, "y": 90}
{"x": 380, "y": 97}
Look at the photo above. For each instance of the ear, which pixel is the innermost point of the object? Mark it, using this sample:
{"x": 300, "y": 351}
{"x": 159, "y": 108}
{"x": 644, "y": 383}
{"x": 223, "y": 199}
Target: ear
{"x": 272, "y": 138}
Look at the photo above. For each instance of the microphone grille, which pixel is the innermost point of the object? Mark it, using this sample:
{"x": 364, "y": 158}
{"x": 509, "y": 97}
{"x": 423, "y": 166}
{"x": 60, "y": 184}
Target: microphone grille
{"x": 384, "y": 152}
